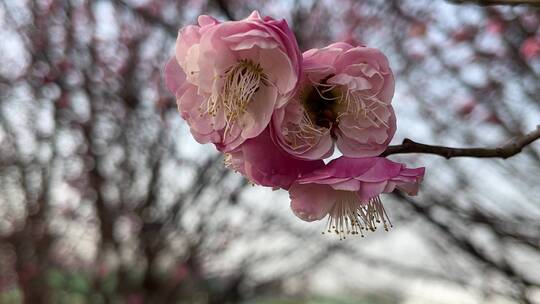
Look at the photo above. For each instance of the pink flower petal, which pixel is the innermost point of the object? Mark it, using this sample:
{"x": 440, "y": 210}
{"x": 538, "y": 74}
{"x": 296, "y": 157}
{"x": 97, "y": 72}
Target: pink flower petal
{"x": 371, "y": 190}
{"x": 266, "y": 164}
{"x": 280, "y": 70}
{"x": 348, "y": 185}
{"x": 368, "y": 176}
{"x": 311, "y": 202}
{"x": 174, "y": 76}
{"x": 259, "y": 112}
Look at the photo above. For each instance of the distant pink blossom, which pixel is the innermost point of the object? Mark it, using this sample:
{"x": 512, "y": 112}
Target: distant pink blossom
{"x": 530, "y": 47}
{"x": 236, "y": 74}
{"x": 345, "y": 96}
{"x": 265, "y": 164}
{"x": 495, "y": 26}
{"x": 464, "y": 33}
{"x": 347, "y": 191}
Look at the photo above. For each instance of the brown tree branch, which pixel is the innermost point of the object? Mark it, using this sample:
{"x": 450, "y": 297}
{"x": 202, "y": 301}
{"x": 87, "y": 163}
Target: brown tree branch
{"x": 498, "y": 2}
{"x": 224, "y": 7}
{"x": 504, "y": 151}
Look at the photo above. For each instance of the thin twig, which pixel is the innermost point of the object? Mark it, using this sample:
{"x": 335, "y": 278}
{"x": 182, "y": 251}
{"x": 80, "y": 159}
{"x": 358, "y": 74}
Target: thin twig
{"x": 504, "y": 151}
{"x": 498, "y": 2}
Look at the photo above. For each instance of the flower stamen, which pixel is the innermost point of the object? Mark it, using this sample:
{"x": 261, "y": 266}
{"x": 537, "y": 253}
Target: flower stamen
{"x": 241, "y": 83}
{"x": 342, "y": 100}
{"x": 350, "y": 216}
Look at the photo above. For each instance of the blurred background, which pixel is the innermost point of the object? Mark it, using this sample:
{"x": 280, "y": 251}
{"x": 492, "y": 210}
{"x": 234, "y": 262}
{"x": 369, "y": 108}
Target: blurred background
{"x": 106, "y": 198}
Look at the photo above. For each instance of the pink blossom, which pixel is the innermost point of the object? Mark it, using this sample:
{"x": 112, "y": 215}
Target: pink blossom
{"x": 348, "y": 189}
{"x": 495, "y": 26}
{"x": 530, "y": 47}
{"x": 345, "y": 96}
{"x": 237, "y": 73}
{"x": 267, "y": 165}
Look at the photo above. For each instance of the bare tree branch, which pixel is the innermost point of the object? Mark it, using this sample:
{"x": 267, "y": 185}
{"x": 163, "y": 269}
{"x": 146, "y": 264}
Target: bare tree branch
{"x": 150, "y": 18}
{"x": 498, "y": 2}
{"x": 224, "y": 7}
{"x": 505, "y": 151}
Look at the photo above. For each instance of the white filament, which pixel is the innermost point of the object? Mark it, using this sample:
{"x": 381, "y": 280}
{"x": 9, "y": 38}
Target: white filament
{"x": 349, "y": 216}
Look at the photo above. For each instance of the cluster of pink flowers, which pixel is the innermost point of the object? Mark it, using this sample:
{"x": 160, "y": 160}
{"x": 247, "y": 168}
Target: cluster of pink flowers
{"x": 276, "y": 114}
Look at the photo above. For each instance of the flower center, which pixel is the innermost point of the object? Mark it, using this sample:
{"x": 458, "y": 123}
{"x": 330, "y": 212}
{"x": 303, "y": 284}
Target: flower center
{"x": 321, "y": 103}
{"x": 350, "y": 216}
{"x": 241, "y": 82}
{"x": 305, "y": 134}
{"x": 326, "y": 103}
{"x": 318, "y": 116}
